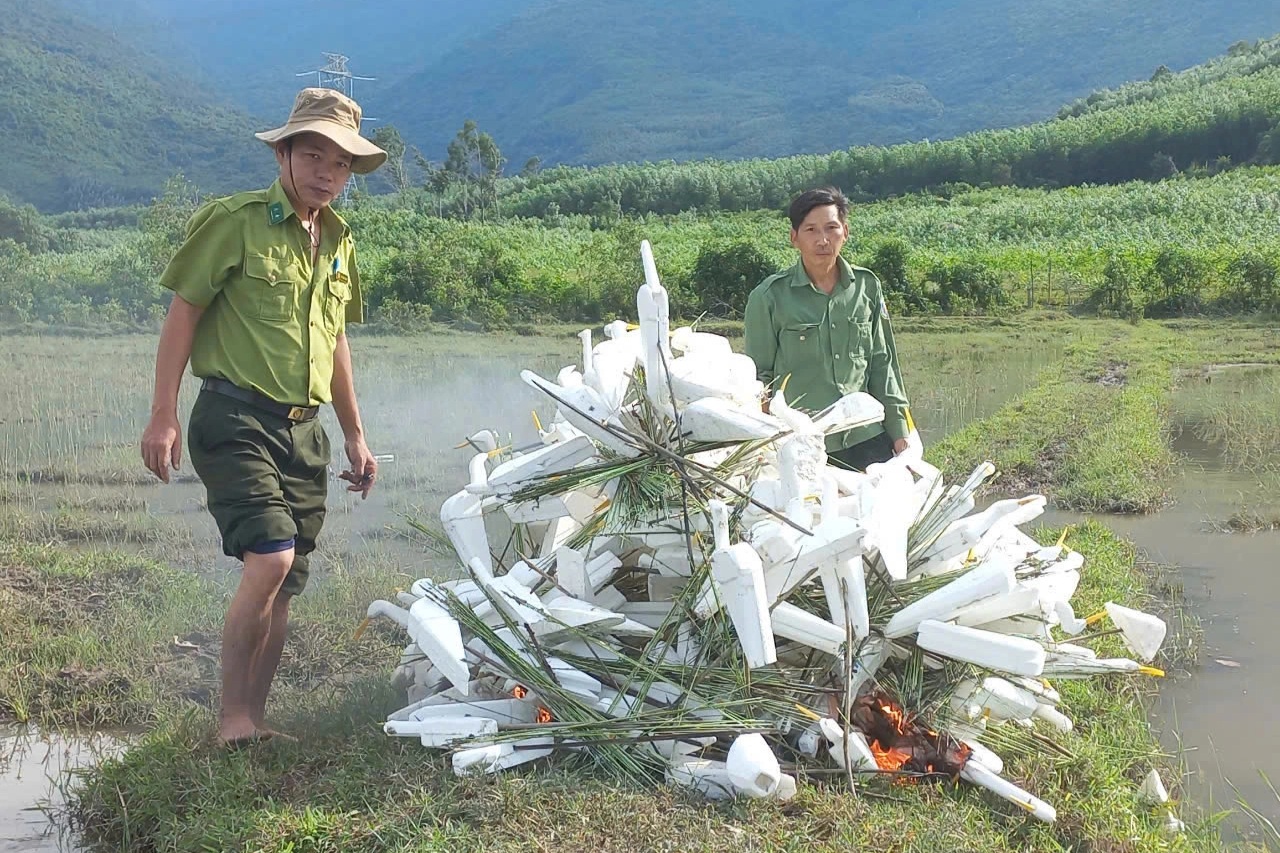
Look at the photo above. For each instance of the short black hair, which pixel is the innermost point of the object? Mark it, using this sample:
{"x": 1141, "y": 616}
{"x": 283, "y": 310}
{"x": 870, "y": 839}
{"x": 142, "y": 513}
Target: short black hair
{"x": 820, "y": 197}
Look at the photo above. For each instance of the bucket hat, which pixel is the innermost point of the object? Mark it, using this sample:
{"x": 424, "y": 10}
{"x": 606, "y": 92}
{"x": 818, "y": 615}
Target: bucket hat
{"x": 333, "y": 115}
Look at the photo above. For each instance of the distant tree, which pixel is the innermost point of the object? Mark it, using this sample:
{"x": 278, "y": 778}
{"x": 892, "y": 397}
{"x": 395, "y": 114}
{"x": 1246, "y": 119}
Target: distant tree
{"x": 1181, "y": 278}
{"x": 531, "y": 167}
{"x": 1251, "y": 283}
{"x": 24, "y": 226}
{"x": 388, "y": 138}
{"x": 725, "y": 273}
{"x": 1162, "y": 166}
{"x": 164, "y": 222}
{"x": 1161, "y": 73}
{"x": 1269, "y": 147}
{"x": 474, "y": 164}
{"x": 436, "y": 179}
{"x": 889, "y": 263}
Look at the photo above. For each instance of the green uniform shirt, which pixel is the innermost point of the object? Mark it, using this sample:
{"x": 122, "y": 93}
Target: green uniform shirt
{"x": 829, "y": 345}
{"x": 272, "y": 318}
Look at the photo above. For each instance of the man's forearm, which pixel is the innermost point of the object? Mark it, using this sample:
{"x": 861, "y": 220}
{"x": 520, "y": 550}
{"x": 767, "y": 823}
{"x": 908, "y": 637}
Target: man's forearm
{"x": 343, "y": 389}
{"x": 173, "y": 353}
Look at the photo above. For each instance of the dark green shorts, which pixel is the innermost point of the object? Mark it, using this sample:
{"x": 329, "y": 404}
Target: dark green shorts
{"x": 878, "y": 448}
{"x": 266, "y": 478}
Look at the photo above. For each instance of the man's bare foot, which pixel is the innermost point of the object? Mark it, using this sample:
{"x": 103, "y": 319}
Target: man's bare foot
{"x": 236, "y": 732}
{"x": 276, "y": 733}
{"x": 246, "y": 740}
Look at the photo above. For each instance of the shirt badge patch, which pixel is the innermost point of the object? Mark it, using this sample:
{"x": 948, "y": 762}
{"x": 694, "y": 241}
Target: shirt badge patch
{"x": 275, "y": 212}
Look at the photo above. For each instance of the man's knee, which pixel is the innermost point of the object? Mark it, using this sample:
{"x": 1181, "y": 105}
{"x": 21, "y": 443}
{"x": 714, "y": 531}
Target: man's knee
{"x": 267, "y": 571}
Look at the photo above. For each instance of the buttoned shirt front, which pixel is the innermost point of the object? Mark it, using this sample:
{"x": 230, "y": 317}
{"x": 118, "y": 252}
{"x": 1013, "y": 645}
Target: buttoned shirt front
{"x": 830, "y": 345}
{"x": 272, "y": 316}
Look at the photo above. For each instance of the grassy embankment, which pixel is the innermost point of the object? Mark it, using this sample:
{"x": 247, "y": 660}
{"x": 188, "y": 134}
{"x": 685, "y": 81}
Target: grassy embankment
{"x": 1094, "y": 431}
{"x": 91, "y": 638}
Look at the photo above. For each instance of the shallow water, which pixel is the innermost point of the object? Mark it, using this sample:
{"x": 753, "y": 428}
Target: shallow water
{"x": 34, "y": 768}
{"x": 1221, "y": 718}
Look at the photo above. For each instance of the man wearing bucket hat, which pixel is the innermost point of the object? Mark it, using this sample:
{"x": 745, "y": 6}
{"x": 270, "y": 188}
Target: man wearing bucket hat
{"x": 264, "y": 286}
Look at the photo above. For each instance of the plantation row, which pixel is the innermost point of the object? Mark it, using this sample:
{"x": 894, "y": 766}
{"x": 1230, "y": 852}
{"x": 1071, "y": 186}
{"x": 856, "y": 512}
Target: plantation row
{"x": 1210, "y": 117}
{"x": 1176, "y": 247}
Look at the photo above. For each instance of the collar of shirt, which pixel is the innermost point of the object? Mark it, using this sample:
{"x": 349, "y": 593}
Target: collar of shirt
{"x": 799, "y": 278}
{"x": 280, "y": 209}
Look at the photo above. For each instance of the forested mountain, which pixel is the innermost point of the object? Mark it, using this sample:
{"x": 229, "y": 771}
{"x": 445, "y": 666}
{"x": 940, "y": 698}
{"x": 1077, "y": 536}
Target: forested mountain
{"x": 103, "y": 101}
{"x": 254, "y": 49}
{"x": 86, "y": 120}
{"x": 596, "y": 81}
{"x": 1208, "y": 118}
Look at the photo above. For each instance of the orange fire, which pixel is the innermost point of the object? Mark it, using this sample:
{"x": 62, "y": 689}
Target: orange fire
{"x": 544, "y": 716}
{"x": 896, "y": 716}
{"x": 888, "y": 759}
{"x": 519, "y": 691}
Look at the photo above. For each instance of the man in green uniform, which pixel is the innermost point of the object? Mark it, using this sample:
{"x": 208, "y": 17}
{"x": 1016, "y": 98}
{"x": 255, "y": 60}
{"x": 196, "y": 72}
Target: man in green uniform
{"x": 264, "y": 286}
{"x": 824, "y": 324}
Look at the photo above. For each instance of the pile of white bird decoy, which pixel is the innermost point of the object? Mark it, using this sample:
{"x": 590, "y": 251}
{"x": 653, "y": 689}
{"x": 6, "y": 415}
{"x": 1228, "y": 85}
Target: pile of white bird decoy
{"x": 674, "y": 584}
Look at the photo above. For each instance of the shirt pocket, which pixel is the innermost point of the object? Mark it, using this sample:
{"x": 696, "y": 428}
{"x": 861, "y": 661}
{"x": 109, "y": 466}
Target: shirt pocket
{"x": 274, "y": 280}
{"x": 851, "y": 359}
{"x": 335, "y": 303}
{"x": 799, "y": 346}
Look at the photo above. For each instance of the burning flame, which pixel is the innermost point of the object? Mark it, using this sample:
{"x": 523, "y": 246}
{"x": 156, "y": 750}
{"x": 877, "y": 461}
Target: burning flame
{"x": 544, "y": 716}
{"x": 519, "y": 691}
{"x": 896, "y": 716}
{"x": 891, "y": 759}
{"x": 888, "y": 759}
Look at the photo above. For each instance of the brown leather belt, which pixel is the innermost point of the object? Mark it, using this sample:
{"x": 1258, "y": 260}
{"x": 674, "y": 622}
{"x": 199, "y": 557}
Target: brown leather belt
{"x": 297, "y": 414}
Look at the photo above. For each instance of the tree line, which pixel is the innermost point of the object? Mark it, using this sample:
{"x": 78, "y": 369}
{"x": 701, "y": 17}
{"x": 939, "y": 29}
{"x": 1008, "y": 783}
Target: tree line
{"x": 1220, "y": 122}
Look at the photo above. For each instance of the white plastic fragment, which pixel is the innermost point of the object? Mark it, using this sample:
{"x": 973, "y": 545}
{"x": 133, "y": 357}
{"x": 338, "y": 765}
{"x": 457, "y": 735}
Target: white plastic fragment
{"x": 439, "y": 732}
{"x": 989, "y": 579}
{"x": 709, "y": 778}
{"x": 979, "y": 775}
{"x": 860, "y": 757}
{"x": 983, "y": 648}
{"x": 752, "y": 767}
{"x": 1143, "y": 633}
{"x": 740, "y": 576}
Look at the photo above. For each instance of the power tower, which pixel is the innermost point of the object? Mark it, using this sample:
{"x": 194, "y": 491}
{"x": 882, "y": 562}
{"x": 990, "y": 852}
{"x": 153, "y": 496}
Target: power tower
{"x": 337, "y": 75}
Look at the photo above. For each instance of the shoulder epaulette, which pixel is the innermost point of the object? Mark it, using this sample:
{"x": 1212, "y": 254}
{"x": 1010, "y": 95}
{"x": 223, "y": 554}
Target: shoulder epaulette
{"x": 241, "y": 200}
{"x": 768, "y": 282}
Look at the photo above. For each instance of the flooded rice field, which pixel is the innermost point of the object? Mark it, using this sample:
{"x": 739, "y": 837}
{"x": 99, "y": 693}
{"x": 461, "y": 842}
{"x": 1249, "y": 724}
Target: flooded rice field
{"x": 1219, "y": 536}
{"x": 69, "y": 472}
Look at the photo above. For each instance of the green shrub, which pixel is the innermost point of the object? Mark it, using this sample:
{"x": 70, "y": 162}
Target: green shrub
{"x": 725, "y": 273}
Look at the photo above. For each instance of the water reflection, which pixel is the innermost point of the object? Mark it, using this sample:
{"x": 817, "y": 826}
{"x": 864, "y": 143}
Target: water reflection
{"x": 34, "y": 769}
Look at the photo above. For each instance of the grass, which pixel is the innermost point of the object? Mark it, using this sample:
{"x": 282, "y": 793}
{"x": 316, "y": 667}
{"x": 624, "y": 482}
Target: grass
{"x": 348, "y": 787}
{"x": 1089, "y": 433}
{"x": 111, "y": 639}
{"x": 1093, "y": 431}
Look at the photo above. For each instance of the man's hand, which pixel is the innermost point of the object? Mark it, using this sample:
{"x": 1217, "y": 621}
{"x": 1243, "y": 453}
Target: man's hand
{"x": 899, "y": 447}
{"x": 162, "y": 444}
{"x": 364, "y": 468}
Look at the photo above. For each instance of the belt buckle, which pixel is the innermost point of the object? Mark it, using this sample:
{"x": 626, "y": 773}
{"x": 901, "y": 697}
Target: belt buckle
{"x": 296, "y": 413}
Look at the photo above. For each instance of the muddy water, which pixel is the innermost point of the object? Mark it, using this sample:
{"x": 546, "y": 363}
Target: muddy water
{"x": 34, "y": 769}
{"x": 1221, "y": 718}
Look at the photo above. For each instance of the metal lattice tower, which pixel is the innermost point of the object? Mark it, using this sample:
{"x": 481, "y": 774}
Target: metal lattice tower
{"x": 337, "y": 75}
